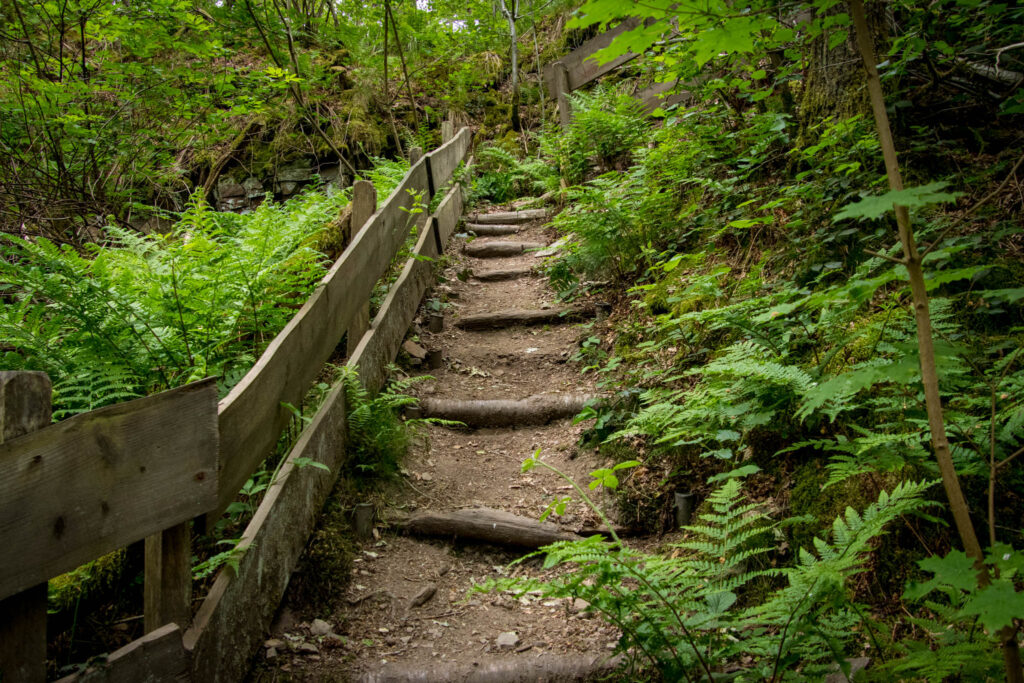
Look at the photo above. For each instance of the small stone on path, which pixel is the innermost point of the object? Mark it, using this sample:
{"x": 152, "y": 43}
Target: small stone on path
{"x": 424, "y": 595}
{"x": 508, "y": 640}
{"x": 414, "y": 349}
{"x": 319, "y": 627}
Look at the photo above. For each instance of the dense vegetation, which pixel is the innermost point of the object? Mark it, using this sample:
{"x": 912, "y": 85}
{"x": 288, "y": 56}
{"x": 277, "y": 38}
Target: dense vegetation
{"x": 810, "y": 361}
{"x": 770, "y": 334}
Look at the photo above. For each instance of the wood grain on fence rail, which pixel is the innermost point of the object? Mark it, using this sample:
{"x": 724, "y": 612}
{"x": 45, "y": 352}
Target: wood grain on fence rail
{"x": 448, "y": 213}
{"x": 157, "y": 657}
{"x": 96, "y": 482}
{"x": 380, "y": 345}
{"x": 237, "y": 611}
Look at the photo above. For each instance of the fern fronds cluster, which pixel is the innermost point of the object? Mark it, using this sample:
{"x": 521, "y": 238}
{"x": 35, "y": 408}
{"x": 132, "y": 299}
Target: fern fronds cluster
{"x": 712, "y": 604}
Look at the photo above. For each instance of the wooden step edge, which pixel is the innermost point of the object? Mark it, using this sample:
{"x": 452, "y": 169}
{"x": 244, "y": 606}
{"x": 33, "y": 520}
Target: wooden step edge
{"x": 510, "y": 668}
{"x": 499, "y": 249}
{"x": 515, "y": 317}
{"x": 539, "y": 409}
{"x": 501, "y": 275}
{"x": 524, "y": 216}
{"x": 485, "y": 230}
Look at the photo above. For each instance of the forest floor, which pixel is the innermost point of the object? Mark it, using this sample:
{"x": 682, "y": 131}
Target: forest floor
{"x": 458, "y": 634}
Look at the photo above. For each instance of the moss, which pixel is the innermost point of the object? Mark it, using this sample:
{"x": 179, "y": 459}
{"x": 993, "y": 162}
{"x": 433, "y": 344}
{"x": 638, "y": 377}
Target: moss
{"x": 325, "y": 568}
{"x": 893, "y": 561}
{"x": 92, "y": 579}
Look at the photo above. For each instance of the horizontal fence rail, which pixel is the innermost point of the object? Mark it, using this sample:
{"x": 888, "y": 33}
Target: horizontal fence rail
{"x": 73, "y": 491}
{"x": 579, "y": 67}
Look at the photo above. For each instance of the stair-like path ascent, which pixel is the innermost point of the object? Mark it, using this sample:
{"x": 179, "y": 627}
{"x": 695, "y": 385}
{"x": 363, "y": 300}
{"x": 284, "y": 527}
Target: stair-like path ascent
{"x": 465, "y": 510}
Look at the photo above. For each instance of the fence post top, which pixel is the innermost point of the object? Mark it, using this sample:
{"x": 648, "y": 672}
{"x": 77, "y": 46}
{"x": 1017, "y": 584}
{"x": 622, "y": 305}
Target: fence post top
{"x": 24, "y": 403}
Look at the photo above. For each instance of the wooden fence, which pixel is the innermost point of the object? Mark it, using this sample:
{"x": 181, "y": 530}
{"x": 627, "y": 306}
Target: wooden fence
{"x": 73, "y": 491}
{"x": 578, "y": 68}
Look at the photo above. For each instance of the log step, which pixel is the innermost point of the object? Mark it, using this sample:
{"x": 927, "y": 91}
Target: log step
{"x": 499, "y": 275}
{"x": 524, "y": 216}
{"x": 515, "y": 316}
{"x": 487, "y": 525}
{"x": 535, "y": 410}
{"x": 485, "y": 229}
{"x": 497, "y": 249}
{"x": 544, "y": 668}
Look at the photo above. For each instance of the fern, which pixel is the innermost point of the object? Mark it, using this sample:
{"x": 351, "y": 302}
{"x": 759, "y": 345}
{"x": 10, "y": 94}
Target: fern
{"x": 691, "y": 614}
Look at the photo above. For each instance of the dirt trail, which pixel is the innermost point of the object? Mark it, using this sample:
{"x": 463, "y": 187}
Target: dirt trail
{"x": 456, "y": 635}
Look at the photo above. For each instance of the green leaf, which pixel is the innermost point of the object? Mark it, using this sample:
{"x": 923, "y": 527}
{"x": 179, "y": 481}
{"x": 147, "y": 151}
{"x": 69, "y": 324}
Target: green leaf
{"x": 737, "y": 473}
{"x": 955, "y": 569}
{"x": 996, "y": 606}
{"x": 875, "y": 206}
{"x": 718, "y": 603}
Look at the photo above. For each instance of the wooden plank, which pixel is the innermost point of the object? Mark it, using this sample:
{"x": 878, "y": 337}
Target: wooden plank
{"x": 25, "y": 406}
{"x": 446, "y": 158}
{"x": 379, "y": 347}
{"x": 364, "y": 205}
{"x": 581, "y": 68}
{"x": 96, "y": 482}
{"x": 560, "y": 86}
{"x": 659, "y": 95}
{"x": 236, "y": 614}
{"x": 252, "y": 416}
{"x": 158, "y": 657}
{"x": 448, "y": 213}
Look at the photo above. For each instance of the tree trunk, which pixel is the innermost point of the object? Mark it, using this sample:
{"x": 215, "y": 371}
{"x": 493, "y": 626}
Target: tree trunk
{"x": 510, "y": 16}
{"x": 833, "y": 78}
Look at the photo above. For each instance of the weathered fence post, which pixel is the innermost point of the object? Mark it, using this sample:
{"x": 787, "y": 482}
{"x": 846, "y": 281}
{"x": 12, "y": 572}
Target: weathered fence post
{"x": 561, "y": 83}
{"x": 447, "y": 131}
{"x": 167, "y": 588}
{"x": 24, "y": 407}
{"x": 415, "y": 154}
{"x": 364, "y": 204}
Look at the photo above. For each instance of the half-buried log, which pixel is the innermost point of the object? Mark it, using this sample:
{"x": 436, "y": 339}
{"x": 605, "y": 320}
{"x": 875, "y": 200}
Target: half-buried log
{"x": 509, "y": 216}
{"x": 500, "y": 275}
{"x": 511, "y": 668}
{"x": 535, "y": 410}
{"x": 497, "y": 527}
{"x": 492, "y": 249}
{"x": 515, "y": 316}
{"x": 483, "y": 229}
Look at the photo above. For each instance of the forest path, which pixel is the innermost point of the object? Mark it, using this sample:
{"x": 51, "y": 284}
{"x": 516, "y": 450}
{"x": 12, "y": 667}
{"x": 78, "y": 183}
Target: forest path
{"x": 457, "y": 635}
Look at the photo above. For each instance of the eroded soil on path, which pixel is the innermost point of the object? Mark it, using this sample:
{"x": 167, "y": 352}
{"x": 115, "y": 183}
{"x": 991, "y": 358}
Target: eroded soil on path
{"x": 456, "y": 634}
